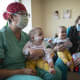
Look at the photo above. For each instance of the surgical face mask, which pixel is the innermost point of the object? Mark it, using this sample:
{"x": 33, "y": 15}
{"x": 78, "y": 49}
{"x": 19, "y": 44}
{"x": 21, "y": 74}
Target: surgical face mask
{"x": 23, "y": 21}
{"x": 78, "y": 27}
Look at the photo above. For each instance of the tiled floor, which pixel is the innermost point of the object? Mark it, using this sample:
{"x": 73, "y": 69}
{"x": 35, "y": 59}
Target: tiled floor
{"x": 73, "y": 76}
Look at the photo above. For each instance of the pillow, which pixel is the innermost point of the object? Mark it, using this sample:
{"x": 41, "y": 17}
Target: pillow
{"x": 23, "y": 77}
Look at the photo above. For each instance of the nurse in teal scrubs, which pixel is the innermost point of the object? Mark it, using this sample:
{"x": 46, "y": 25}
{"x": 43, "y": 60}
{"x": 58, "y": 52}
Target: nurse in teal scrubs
{"x": 12, "y": 41}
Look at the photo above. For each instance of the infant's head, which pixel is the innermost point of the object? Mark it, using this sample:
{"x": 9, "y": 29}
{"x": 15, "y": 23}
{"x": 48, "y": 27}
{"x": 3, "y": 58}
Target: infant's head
{"x": 36, "y": 35}
{"x": 62, "y": 32}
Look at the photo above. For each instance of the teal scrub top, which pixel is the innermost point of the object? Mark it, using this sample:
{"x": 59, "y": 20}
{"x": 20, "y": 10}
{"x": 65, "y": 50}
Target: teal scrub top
{"x": 68, "y": 30}
{"x": 11, "y": 49}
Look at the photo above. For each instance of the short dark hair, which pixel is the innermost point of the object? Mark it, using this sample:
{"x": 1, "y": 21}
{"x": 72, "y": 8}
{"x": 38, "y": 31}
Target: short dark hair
{"x": 78, "y": 18}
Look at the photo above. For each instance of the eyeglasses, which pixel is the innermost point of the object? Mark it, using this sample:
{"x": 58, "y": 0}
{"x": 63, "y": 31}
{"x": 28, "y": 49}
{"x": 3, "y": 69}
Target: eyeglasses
{"x": 23, "y": 13}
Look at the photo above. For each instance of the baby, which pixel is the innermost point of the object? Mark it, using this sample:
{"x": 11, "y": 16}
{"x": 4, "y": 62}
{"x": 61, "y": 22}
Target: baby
{"x": 62, "y": 40}
{"x": 35, "y": 47}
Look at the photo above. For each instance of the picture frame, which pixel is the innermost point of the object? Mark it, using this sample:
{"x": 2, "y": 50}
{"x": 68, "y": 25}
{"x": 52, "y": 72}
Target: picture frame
{"x": 56, "y": 14}
{"x": 67, "y": 14}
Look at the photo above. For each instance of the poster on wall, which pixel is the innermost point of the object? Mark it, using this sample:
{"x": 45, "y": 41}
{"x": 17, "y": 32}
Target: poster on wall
{"x": 56, "y": 14}
{"x": 67, "y": 14}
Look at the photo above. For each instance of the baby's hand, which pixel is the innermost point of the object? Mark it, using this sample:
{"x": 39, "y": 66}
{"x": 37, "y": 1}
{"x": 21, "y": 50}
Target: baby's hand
{"x": 52, "y": 71}
{"x": 51, "y": 64}
{"x": 69, "y": 63}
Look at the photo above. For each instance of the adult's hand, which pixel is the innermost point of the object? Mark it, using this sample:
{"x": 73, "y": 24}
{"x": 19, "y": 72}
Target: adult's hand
{"x": 4, "y": 73}
{"x": 36, "y": 53}
{"x": 29, "y": 71}
{"x": 59, "y": 47}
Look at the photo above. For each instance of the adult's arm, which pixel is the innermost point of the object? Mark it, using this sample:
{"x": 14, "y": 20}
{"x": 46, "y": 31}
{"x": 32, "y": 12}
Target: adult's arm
{"x": 4, "y": 73}
{"x": 36, "y": 53}
{"x": 56, "y": 46}
{"x": 68, "y": 30}
{"x": 68, "y": 43}
{"x": 59, "y": 48}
